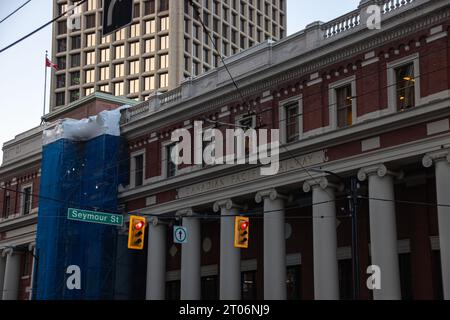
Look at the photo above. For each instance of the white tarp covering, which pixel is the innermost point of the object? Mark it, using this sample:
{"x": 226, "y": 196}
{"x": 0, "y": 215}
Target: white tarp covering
{"x": 106, "y": 122}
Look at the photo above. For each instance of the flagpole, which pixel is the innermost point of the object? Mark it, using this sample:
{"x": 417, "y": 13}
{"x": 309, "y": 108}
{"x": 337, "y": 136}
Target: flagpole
{"x": 45, "y": 84}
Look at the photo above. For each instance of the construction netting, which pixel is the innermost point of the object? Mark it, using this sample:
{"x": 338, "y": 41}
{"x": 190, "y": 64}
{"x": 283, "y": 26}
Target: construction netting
{"x": 83, "y": 164}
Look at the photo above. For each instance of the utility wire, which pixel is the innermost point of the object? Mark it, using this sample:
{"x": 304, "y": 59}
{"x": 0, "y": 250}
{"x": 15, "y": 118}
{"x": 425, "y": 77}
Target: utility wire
{"x": 319, "y": 93}
{"x": 279, "y": 121}
{"x": 115, "y": 166}
{"x": 41, "y": 27}
{"x": 9, "y": 15}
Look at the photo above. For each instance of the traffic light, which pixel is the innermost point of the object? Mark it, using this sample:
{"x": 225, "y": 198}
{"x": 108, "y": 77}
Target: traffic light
{"x": 136, "y": 233}
{"x": 241, "y": 235}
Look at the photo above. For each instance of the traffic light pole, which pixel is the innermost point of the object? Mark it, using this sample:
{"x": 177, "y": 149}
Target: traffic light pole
{"x": 353, "y": 205}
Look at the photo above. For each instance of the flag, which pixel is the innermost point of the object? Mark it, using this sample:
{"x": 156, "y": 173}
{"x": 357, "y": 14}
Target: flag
{"x": 50, "y": 64}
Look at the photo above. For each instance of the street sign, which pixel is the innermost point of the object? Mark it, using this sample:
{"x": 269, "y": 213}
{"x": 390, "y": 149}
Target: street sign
{"x": 180, "y": 235}
{"x": 95, "y": 217}
{"x": 116, "y": 15}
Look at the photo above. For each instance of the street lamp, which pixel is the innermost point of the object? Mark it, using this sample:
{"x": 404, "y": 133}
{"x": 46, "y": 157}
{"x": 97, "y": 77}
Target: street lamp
{"x": 352, "y": 195}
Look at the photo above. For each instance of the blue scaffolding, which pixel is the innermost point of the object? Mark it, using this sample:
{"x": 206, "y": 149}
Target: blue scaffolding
{"x": 82, "y": 175}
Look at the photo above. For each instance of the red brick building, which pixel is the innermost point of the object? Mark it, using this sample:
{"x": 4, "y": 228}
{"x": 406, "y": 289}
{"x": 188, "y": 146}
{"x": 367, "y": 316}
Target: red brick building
{"x": 359, "y": 103}
{"x": 368, "y": 104}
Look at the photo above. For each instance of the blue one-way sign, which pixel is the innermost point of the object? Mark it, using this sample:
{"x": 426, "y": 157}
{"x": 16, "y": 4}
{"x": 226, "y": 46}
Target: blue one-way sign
{"x": 180, "y": 235}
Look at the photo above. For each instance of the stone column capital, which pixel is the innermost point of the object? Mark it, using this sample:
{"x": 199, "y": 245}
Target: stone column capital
{"x": 31, "y": 246}
{"x": 7, "y": 252}
{"x": 188, "y": 212}
{"x": 156, "y": 221}
{"x": 380, "y": 170}
{"x": 323, "y": 183}
{"x": 272, "y": 194}
{"x": 226, "y": 204}
{"x": 431, "y": 158}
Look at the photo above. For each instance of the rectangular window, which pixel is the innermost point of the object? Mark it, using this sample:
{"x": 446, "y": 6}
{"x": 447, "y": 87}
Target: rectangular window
{"x": 164, "y": 23}
{"x": 292, "y": 122}
{"x": 134, "y": 49}
{"x": 61, "y": 62}
{"x": 173, "y": 290}
{"x": 249, "y": 285}
{"x": 150, "y": 45}
{"x": 139, "y": 170}
{"x": 149, "y": 7}
{"x": 119, "y": 70}
{"x": 105, "y": 55}
{"x": 91, "y": 5}
{"x": 89, "y": 91}
{"x": 7, "y": 206}
{"x": 163, "y": 5}
{"x": 75, "y": 78}
{"x": 150, "y": 64}
{"x": 74, "y": 95}
{"x": 90, "y": 21}
{"x": 90, "y": 76}
{"x": 164, "y": 61}
{"x": 120, "y": 52}
{"x": 344, "y": 103}
{"x": 150, "y": 26}
{"x": 62, "y": 27}
{"x": 135, "y": 30}
{"x": 104, "y": 73}
{"x": 26, "y": 200}
{"x": 149, "y": 83}
{"x": 90, "y": 40}
{"x": 405, "y": 87}
{"x": 164, "y": 42}
{"x": 293, "y": 283}
{"x": 76, "y": 42}
{"x": 163, "y": 80}
{"x": 90, "y": 57}
{"x": 60, "y": 81}
{"x": 104, "y": 88}
{"x": 60, "y": 99}
{"x": 120, "y": 35}
{"x": 75, "y": 60}
{"x": 134, "y": 86}
{"x": 118, "y": 89}
{"x": 61, "y": 45}
{"x": 210, "y": 288}
{"x": 134, "y": 67}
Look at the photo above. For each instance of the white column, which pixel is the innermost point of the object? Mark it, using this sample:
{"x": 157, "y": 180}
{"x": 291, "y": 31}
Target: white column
{"x": 32, "y": 249}
{"x": 230, "y": 257}
{"x": 326, "y": 278}
{"x": 383, "y": 229}
{"x": 12, "y": 274}
{"x": 191, "y": 258}
{"x": 441, "y": 160}
{"x": 156, "y": 260}
{"x": 274, "y": 244}
{"x": 2, "y": 273}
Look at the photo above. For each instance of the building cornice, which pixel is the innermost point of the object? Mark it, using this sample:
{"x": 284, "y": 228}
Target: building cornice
{"x": 277, "y": 73}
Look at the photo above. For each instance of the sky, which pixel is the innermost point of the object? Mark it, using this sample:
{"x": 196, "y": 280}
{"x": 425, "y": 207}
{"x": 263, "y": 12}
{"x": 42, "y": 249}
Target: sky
{"x": 22, "y": 67}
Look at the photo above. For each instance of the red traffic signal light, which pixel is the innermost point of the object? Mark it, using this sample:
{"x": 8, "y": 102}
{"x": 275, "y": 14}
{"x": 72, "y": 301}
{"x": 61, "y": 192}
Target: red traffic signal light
{"x": 136, "y": 233}
{"x": 241, "y": 232}
{"x": 139, "y": 225}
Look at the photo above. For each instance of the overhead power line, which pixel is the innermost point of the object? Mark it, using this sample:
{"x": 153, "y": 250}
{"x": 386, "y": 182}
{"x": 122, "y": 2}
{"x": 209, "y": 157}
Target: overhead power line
{"x": 9, "y": 15}
{"x": 41, "y": 27}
